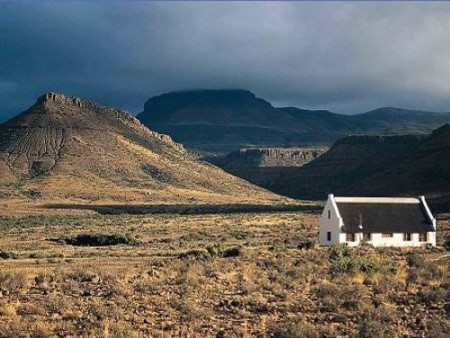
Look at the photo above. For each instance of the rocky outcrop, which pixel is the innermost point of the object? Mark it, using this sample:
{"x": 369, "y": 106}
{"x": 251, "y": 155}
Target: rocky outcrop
{"x": 263, "y": 166}
{"x": 59, "y": 99}
{"x": 270, "y": 157}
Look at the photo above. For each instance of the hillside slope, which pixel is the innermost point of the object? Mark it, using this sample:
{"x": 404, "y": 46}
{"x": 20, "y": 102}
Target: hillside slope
{"x": 426, "y": 170}
{"x": 227, "y": 120}
{"x": 346, "y": 163}
{"x": 373, "y": 166}
{"x": 68, "y": 149}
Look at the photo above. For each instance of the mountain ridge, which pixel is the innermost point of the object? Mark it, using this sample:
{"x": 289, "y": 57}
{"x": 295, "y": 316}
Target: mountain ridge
{"x": 232, "y": 119}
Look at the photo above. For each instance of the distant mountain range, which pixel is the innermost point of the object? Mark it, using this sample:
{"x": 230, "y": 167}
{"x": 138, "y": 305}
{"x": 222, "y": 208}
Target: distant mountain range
{"x": 226, "y": 120}
{"x": 66, "y": 149}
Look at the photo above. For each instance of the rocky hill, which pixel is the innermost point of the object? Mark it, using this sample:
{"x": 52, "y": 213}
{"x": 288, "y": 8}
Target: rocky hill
{"x": 68, "y": 149}
{"x": 227, "y": 120}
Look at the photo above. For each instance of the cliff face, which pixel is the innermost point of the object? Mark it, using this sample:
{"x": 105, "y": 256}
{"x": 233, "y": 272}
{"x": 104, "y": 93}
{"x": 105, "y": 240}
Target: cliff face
{"x": 270, "y": 157}
{"x": 262, "y": 166}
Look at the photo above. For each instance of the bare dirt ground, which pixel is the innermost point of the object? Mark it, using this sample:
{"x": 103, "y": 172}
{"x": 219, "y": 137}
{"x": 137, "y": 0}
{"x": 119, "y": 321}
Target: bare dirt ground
{"x": 223, "y": 274}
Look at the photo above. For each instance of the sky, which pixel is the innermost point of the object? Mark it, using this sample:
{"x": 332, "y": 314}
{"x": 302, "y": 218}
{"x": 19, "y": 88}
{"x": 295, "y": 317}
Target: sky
{"x": 348, "y": 57}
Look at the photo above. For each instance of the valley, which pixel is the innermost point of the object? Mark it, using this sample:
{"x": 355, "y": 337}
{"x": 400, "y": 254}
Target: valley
{"x": 111, "y": 229}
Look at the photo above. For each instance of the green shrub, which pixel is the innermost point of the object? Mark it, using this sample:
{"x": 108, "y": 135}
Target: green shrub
{"x": 217, "y": 250}
{"x": 372, "y": 328}
{"x": 31, "y": 193}
{"x": 333, "y": 296}
{"x": 240, "y": 235}
{"x": 339, "y": 251}
{"x": 352, "y": 265}
{"x": 8, "y": 255}
{"x": 97, "y": 240}
{"x": 307, "y": 245}
{"x": 231, "y": 252}
{"x": 195, "y": 253}
{"x": 344, "y": 262}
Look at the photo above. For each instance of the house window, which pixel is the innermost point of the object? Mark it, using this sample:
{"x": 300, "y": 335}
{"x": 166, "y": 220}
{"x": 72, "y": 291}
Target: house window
{"x": 387, "y": 235}
{"x": 328, "y": 236}
{"x": 407, "y": 237}
{"x": 329, "y": 214}
{"x": 367, "y": 236}
{"x": 422, "y": 237}
{"x": 350, "y": 237}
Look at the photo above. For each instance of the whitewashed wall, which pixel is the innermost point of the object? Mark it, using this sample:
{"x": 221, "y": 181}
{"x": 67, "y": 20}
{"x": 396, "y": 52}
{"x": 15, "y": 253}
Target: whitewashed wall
{"x": 377, "y": 239}
{"x": 332, "y": 224}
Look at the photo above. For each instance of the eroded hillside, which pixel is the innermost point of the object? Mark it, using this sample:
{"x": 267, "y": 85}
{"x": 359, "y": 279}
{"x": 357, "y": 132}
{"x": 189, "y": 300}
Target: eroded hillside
{"x": 68, "y": 149}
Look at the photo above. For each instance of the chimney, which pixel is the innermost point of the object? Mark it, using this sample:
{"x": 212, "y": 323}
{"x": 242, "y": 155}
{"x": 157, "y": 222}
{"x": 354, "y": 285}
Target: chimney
{"x": 360, "y": 226}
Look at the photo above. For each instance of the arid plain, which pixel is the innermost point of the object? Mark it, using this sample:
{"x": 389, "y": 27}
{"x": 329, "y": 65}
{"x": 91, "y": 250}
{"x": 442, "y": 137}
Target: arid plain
{"x": 232, "y": 274}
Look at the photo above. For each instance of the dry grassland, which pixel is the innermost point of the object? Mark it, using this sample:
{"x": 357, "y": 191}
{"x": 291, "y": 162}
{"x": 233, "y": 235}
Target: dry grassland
{"x": 212, "y": 275}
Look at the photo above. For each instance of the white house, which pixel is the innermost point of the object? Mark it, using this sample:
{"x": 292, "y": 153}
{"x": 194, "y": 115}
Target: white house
{"x": 380, "y": 221}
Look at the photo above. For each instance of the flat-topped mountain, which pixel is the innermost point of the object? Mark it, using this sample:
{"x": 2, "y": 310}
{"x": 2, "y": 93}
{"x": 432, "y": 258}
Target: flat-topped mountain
{"x": 226, "y": 120}
{"x": 66, "y": 148}
{"x": 215, "y": 120}
{"x": 225, "y": 108}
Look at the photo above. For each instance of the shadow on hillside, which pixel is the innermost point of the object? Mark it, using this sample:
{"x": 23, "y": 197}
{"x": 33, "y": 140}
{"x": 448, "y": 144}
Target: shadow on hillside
{"x": 140, "y": 209}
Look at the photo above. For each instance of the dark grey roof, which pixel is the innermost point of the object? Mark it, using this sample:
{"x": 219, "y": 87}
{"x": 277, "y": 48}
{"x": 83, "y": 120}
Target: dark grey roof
{"x": 384, "y": 217}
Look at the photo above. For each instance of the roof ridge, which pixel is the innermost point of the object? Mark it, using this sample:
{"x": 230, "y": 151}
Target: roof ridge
{"x": 397, "y": 200}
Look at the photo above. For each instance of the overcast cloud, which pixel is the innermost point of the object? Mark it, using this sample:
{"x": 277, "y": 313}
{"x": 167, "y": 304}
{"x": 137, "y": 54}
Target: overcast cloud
{"x": 346, "y": 57}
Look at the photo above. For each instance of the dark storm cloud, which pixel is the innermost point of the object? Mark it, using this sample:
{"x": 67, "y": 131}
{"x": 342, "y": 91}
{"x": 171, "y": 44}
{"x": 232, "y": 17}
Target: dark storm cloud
{"x": 347, "y": 57}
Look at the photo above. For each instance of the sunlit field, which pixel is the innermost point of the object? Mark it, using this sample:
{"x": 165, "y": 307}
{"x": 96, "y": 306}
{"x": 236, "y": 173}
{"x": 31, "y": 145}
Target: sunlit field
{"x": 212, "y": 275}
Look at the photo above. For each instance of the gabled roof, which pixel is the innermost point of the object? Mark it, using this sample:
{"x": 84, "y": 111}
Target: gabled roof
{"x": 385, "y": 214}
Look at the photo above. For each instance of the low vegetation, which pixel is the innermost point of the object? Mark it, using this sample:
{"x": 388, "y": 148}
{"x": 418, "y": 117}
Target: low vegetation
{"x": 96, "y": 240}
{"x": 216, "y": 275}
